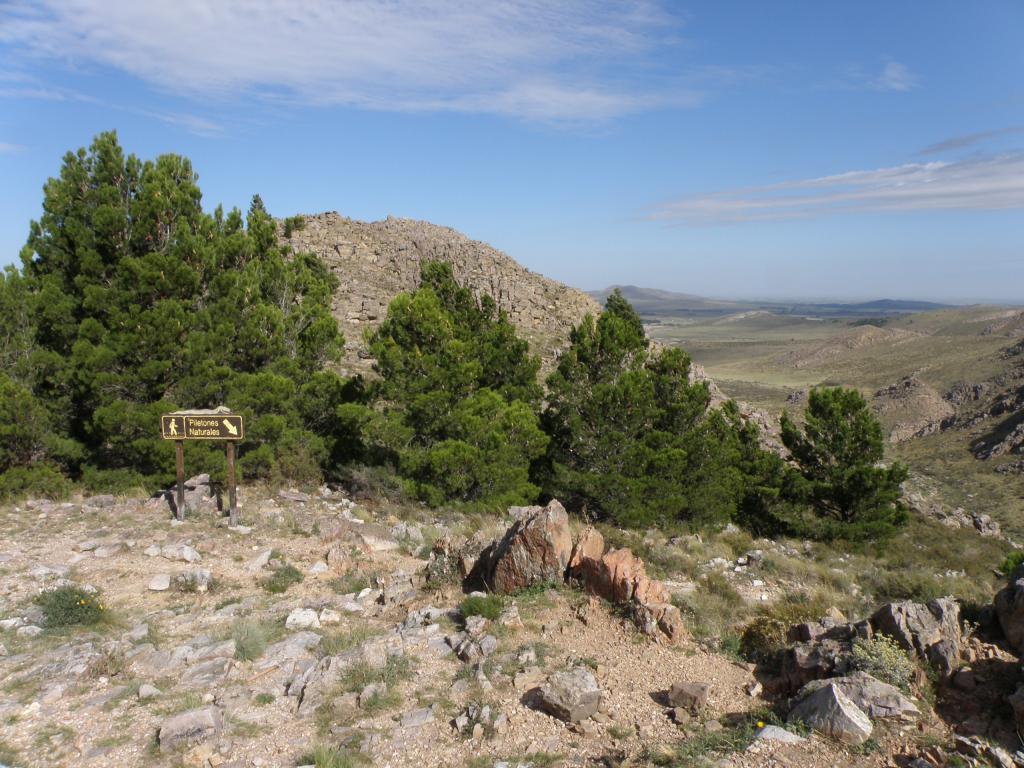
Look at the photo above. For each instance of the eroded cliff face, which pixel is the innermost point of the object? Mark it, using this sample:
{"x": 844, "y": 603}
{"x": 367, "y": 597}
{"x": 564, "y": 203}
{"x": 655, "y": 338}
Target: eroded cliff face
{"x": 375, "y": 261}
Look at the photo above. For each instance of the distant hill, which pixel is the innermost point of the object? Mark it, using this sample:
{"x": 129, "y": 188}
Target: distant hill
{"x": 653, "y": 302}
{"x": 375, "y": 261}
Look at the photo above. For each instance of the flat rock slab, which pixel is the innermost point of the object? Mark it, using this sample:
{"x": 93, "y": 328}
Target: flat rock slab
{"x": 189, "y": 727}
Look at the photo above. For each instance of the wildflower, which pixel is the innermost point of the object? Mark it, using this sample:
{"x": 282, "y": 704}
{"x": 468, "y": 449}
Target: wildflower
{"x": 760, "y": 724}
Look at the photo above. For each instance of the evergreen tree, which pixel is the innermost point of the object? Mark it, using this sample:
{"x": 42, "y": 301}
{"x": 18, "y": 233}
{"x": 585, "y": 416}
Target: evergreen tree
{"x": 143, "y": 303}
{"x": 632, "y": 439}
{"x": 456, "y": 405}
{"x": 838, "y": 454}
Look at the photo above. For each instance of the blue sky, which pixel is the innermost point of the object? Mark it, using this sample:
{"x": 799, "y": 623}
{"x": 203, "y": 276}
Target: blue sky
{"x": 744, "y": 149}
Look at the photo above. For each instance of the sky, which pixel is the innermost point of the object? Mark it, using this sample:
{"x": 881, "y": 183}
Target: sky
{"x": 730, "y": 149}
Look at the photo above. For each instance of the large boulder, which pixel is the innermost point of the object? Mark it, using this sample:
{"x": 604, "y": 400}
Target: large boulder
{"x": 1009, "y": 605}
{"x": 535, "y": 550}
{"x": 873, "y": 697}
{"x": 830, "y": 711}
{"x": 932, "y": 631}
{"x": 572, "y": 695}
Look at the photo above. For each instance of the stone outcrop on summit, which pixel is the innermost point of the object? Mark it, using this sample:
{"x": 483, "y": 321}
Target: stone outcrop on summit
{"x": 375, "y": 261}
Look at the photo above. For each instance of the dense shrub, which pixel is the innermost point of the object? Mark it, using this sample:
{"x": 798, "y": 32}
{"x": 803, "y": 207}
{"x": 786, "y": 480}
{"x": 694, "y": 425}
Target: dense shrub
{"x": 133, "y": 301}
{"x": 1012, "y": 562}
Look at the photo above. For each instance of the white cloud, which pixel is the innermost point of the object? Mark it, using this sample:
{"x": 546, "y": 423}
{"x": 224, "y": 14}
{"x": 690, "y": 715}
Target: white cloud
{"x": 970, "y": 139}
{"x": 895, "y": 77}
{"x": 570, "y": 60}
{"x": 6, "y": 148}
{"x": 978, "y": 183}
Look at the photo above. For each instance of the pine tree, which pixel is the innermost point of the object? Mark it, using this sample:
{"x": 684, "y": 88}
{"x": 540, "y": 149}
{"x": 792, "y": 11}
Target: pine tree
{"x": 632, "y": 440}
{"x": 838, "y": 454}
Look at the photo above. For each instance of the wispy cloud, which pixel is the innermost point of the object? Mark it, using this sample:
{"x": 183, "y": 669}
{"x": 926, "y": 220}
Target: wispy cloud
{"x": 571, "y": 60}
{"x": 6, "y": 148}
{"x": 979, "y": 183}
{"x": 969, "y": 140}
{"x": 895, "y": 77}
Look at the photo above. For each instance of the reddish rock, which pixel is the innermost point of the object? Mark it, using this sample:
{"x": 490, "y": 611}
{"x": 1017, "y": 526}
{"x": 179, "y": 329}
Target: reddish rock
{"x": 589, "y": 546}
{"x": 535, "y": 550}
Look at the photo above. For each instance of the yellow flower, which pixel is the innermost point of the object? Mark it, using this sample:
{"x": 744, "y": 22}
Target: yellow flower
{"x": 760, "y": 724}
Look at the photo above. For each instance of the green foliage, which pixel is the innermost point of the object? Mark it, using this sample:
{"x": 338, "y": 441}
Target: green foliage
{"x": 488, "y": 606}
{"x": 632, "y": 440}
{"x": 1012, "y": 562}
{"x": 837, "y": 454}
{"x": 326, "y": 756}
{"x": 133, "y": 301}
{"x": 294, "y": 224}
{"x": 456, "y": 408}
{"x": 71, "y": 606}
{"x": 882, "y": 658}
{"x": 765, "y": 636}
{"x": 252, "y": 637}
{"x": 282, "y": 578}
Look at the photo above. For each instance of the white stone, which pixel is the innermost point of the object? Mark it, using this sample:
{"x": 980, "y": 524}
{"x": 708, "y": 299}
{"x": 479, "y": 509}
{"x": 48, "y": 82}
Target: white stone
{"x": 302, "y": 618}
{"x": 160, "y": 582}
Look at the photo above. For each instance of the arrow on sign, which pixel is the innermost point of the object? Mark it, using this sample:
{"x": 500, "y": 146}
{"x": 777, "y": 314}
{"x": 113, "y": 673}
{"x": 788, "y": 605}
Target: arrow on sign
{"x": 232, "y": 430}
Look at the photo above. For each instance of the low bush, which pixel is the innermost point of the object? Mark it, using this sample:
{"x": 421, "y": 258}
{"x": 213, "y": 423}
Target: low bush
{"x": 488, "y": 606}
{"x": 252, "y": 637}
{"x": 282, "y": 578}
{"x": 882, "y": 658}
{"x": 71, "y": 606}
{"x": 1012, "y": 562}
{"x": 764, "y": 637}
{"x": 40, "y": 480}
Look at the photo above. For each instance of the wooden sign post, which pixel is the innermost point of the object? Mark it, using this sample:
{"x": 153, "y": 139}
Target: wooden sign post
{"x": 215, "y": 424}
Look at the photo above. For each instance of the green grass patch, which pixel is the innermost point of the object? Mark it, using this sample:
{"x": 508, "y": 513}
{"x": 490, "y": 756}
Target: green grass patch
{"x": 342, "y": 640}
{"x": 325, "y": 756}
{"x": 252, "y": 637}
{"x": 488, "y": 606}
{"x": 281, "y": 579}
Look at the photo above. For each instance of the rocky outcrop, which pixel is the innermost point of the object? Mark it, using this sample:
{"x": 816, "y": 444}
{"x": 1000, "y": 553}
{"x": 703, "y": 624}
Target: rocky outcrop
{"x": 1009, "y": 604}
{"x": 620, "y": 577}
{"x": 932, "y": 631}
{"x": 910, "y": 408}
{"x": 376, "y": 261}
{"x": 535, "y": 550}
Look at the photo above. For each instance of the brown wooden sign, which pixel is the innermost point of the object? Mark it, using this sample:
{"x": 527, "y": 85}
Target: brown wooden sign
{"x": 216, "y": 424}
{"x": 213, "y": 426}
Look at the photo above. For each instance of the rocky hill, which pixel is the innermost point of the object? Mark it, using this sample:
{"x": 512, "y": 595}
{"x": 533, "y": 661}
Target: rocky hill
{"x": 376, "y": 261}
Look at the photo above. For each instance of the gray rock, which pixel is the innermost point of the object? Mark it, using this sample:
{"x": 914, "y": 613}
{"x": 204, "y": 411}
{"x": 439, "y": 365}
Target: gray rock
{"x": 417, "y": 718}
{"x": 573, "y": 695}
{"x": 774, "y": 733}
{"x": 29, "y": 630}
{"x": 259, "y": 562}
{"x": 302, "y": 618}
{"x": 829, "y": 711}
{"x": 690, "y": 696}
{"x": 99, "y": 502}
{"x": 147, "y": 691}
{"x": 110, "y": 550}
{"x": 872, "y": 696}
{"x": 932, "y": 631}
{"x": 160, "y": 582}
{"x": 180, "y": 552}
{"x": 190, "y": 727}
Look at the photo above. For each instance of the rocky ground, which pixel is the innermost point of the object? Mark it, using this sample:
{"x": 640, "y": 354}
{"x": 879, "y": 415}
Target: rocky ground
{"x": 327, "y": 632}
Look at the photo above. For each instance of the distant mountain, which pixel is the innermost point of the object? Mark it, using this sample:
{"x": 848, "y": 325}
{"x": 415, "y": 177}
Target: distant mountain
{"x": 654, "y": 302}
